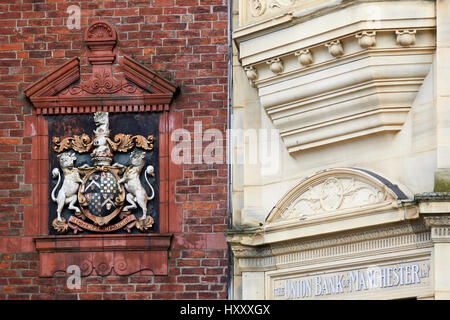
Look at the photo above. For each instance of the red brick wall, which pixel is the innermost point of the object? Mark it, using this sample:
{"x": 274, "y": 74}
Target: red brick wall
{"x": 186, "y": 41}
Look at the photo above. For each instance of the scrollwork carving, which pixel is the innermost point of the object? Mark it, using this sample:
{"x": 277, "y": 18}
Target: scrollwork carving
{"x": 80, "y": 144}
{"x": 124, "y": 142}
{"x": 257, "y": 7}
{"x": 102, "y": 83}
{"x": 332, "y": 194}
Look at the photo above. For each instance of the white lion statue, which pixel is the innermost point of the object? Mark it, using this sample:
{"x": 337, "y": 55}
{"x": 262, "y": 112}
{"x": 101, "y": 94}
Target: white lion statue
{"x": 72, "y": 180}
{"x": 136, "y": 192}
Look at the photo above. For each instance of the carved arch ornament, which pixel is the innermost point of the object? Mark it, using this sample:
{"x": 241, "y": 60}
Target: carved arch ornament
{"x": 336, "y": 191}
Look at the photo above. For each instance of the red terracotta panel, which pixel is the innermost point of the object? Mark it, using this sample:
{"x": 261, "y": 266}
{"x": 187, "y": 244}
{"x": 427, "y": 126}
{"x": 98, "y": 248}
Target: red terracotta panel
{"x": 31, "y": 126}
{"x": 176, "y": 217}
{"x": 111, "y": 243}
{"x": 127, "y": 262}
{"x": 50, "y": 263}
{"x": 163, "y": 122}
{"x": 171, "y": 190}
{"x": 164, "y": 216}
{"x": 81, "y": 259}
{"x": 43, "y": 171}
{"x": 175, "y": 121}
{"x": 156, "y": 261}
{"x": 88, "y": 243}
{"x": 43, "y": 193}
{"x": 31, "y": 221}
{"x": 32, "y": 171}
{"x": 163, "y": 144}
{"x": 163, "y": 191}
{"x": 103, "y": 262}
{"x": 163, "y": 168}
{"x": 43, "y": 219}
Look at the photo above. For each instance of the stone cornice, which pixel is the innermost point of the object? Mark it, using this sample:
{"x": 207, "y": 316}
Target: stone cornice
{"x": 391, "y": 238}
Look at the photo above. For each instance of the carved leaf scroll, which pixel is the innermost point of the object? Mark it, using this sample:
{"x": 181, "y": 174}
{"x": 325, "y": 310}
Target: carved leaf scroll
{"x": 61, "y": 145}
{"x": 336, "y": 192}
{"x": 333, "y": 194}
{"x": 102, "y": 83}
{"x": 124, "y": 142}
{"x": 81, "y": 144}
{"x": 144, "y": 143}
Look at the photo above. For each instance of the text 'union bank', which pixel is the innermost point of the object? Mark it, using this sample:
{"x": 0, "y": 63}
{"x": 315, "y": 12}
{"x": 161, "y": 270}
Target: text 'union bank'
{"x": 353, "y": 281}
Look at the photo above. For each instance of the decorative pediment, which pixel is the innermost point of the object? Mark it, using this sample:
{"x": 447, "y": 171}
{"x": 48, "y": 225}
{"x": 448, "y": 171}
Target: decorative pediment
{"x": 63, "y": 90}
{"x": 334, "y": 192}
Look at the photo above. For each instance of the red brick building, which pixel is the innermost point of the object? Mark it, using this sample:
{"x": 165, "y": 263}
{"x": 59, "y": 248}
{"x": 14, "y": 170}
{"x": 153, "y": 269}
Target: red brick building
{"x": 181, "y": 42}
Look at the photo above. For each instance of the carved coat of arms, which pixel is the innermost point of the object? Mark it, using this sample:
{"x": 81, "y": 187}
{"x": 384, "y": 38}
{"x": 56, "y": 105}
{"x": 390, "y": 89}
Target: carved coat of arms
{"x": 97, "y": 194}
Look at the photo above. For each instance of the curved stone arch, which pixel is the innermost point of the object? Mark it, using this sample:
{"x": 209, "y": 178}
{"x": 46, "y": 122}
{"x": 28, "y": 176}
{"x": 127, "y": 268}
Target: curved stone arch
{"x": 338, "y": 191}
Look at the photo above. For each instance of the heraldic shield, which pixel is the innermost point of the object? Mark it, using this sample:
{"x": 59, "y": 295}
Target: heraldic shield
{"x": 99, "y": 191}
{"x": 102, "y": 199}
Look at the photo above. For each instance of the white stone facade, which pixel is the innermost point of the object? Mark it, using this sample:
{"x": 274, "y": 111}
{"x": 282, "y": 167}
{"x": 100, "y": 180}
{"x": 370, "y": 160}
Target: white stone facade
{"x": 349, "y": 99}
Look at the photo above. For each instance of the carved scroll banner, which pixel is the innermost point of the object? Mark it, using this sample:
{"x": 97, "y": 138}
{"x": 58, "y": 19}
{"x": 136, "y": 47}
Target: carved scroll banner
{"x": 127, "y": 223}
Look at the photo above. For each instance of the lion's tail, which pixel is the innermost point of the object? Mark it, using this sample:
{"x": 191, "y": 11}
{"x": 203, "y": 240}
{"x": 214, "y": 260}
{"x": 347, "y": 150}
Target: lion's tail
{"x": 55, "y": 172}
{"x": 146, "y": 179}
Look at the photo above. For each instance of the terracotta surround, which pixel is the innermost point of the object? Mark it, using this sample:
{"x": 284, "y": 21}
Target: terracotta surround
{"x": 61, "y": 92}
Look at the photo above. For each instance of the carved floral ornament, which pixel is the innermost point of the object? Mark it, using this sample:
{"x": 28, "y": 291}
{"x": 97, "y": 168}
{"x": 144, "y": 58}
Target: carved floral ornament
{"x": 333, "y": 191}
{"x": 100, "y": 30}
{"x": 366, "y": 40}
{"x": 259, "y": 7}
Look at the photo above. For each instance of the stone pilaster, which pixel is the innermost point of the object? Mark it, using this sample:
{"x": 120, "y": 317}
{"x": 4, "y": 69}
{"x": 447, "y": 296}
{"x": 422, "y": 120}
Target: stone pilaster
{"x": 435, "y": 208}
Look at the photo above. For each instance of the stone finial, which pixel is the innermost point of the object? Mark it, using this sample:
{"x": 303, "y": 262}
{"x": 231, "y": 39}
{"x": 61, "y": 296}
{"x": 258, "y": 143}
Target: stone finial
{"x": 101, "y": 39}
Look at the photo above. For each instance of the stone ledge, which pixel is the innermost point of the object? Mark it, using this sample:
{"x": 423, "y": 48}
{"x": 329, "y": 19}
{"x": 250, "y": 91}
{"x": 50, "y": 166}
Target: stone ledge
{"x": 432, "y": 196}
{"x": 101, "y": 242}
{"x": 119, "y": 254}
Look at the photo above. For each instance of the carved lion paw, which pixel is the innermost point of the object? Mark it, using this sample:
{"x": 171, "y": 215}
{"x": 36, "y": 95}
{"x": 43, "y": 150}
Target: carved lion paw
{"x": 61, "y": 227}
{"x": 145, "y": 225}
